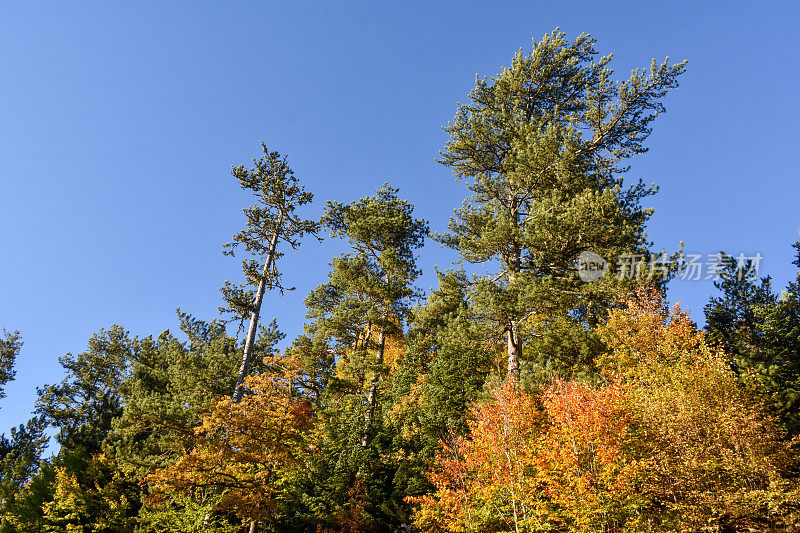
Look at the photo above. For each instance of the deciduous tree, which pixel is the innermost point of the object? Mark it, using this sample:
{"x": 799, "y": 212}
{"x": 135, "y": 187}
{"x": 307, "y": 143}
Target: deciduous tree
{"x": 247, "y": 451}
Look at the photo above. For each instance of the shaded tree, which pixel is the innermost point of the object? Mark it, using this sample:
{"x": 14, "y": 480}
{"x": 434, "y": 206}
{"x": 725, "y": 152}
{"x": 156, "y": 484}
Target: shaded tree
{"x": 20, "y": 460}
{"x": 356, "y": 331}
{"x": 760, "y": 331}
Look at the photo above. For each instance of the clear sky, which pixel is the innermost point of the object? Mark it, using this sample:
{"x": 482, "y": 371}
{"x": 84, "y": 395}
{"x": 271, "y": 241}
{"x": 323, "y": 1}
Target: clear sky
{"x": 119, "y": 122}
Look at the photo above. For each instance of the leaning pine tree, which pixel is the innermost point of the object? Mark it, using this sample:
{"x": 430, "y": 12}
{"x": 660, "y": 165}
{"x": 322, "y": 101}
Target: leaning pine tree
{"x": 271, "y": 221}
{"x": 541, "y": 147}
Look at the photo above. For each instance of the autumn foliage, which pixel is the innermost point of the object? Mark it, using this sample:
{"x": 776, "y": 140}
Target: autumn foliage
{"x": 667, "y": 441}
{"x": 244, "y": 452}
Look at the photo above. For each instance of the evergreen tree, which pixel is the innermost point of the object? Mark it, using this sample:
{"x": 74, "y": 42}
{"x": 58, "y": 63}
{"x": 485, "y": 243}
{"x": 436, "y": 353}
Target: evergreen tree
{"x": 542, "y": 147}
{"x": 356, "y": 331}
{"x": 760, "y": 331}
{"x": 10, "y": 345}
{"x": 80, "y": 488}
{"x": 171, "y": 384}
{"x": 439, "y": 379}
{"x": 376, "y": 279}
{"x": 248, "y": 452}
{"x": 271, "y": 221}
{"x": 20, "y": 460}
{"x": 83, "y": 405}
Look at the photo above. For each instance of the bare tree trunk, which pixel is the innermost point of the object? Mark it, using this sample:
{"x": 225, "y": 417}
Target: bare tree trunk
{"x": 252, "y": 330}
{"x": 512, "y": 330}
{"x": 253, "y": 526}
{"x": 373, "y": 390}
{"x": 514, "y": 350}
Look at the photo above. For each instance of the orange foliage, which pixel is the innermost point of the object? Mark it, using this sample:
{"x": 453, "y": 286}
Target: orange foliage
{"x": 483, "y": 479}
{"x": 667, "y": 442}
{"x": 246, "y": 450}
{"x": 709, "y": 454}
{"x": 583, "y": 462}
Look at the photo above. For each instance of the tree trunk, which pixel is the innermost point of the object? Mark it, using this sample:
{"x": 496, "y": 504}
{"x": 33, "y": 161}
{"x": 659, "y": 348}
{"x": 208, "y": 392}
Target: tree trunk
{"x": 514, "y": 266}
{"x": 514, "y": 350}
{"x": 512, "y": 329}
{"x": 373, "y": 391}
{"x": 253, "y": 526}
{"x": 252, "y": 330}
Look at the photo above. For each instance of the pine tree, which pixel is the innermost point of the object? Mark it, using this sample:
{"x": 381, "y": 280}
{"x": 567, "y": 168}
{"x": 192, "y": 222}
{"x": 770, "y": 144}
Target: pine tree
{"x": 377, "y": 278}
{"x": 81, "y": 487}
{"x": 171, "y": 384}
{"x": 10, "y": 346}
{"x": 542, "y": 147}
{"x": 83, "y": 405}
{"x": 20, "y": 460}
{"x": 440, "y": 377}
{"x": 760, "y": 331}
{"x": 356, "y": 329}
{"x": 270, "y": 222}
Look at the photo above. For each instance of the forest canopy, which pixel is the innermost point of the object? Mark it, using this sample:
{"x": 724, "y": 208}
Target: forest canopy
{"x": 534, "y": 396}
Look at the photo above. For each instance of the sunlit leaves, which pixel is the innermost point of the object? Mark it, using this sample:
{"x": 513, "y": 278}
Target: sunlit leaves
{"x": 245, "y": 450}
{"x": 668, "y": 441}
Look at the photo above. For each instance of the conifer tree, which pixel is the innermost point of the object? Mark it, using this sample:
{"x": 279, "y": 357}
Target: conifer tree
{"x": 10, "y": 345}
{"x": 542, "y": 146}
{"x": 80, "y": 488}
{"x": 249, "y": 451}
{"x": 376, "y": 280}
{"x": 83, "y": 405}
{"x": 20, "y": 460}
{"x": 760, "y": 331}
{"x": 171, "y": 384}
{"x": 357, "y": 320}
{"x": 270, "y": 222}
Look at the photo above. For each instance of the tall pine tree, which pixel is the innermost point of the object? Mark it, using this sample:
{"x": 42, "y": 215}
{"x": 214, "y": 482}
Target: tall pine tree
{"x": 271, "y": 221}
{"x": 357, "y": 320}
{"x": 541, "y": 147}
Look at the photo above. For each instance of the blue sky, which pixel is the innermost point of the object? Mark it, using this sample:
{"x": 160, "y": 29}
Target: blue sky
{"x": 119, "y": 123}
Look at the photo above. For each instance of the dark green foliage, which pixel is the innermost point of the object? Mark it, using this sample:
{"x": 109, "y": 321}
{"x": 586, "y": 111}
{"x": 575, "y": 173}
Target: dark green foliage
{"x": 370, "y": 289}
{"x": 10, "y": 345}
{"x": 448, "y": 358}
{"x": 83, "y": 405}
{"x": 80, "y": 488}
{"x": 279, "y": 193}
{"x": 355, "y": 318}
{"x": 171, "y": 382}
{"x": 383, "y": 236}
{"x": 450, "y": 354}
{"x": 760, "y": 331}
{"x": 20, "y": 459}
